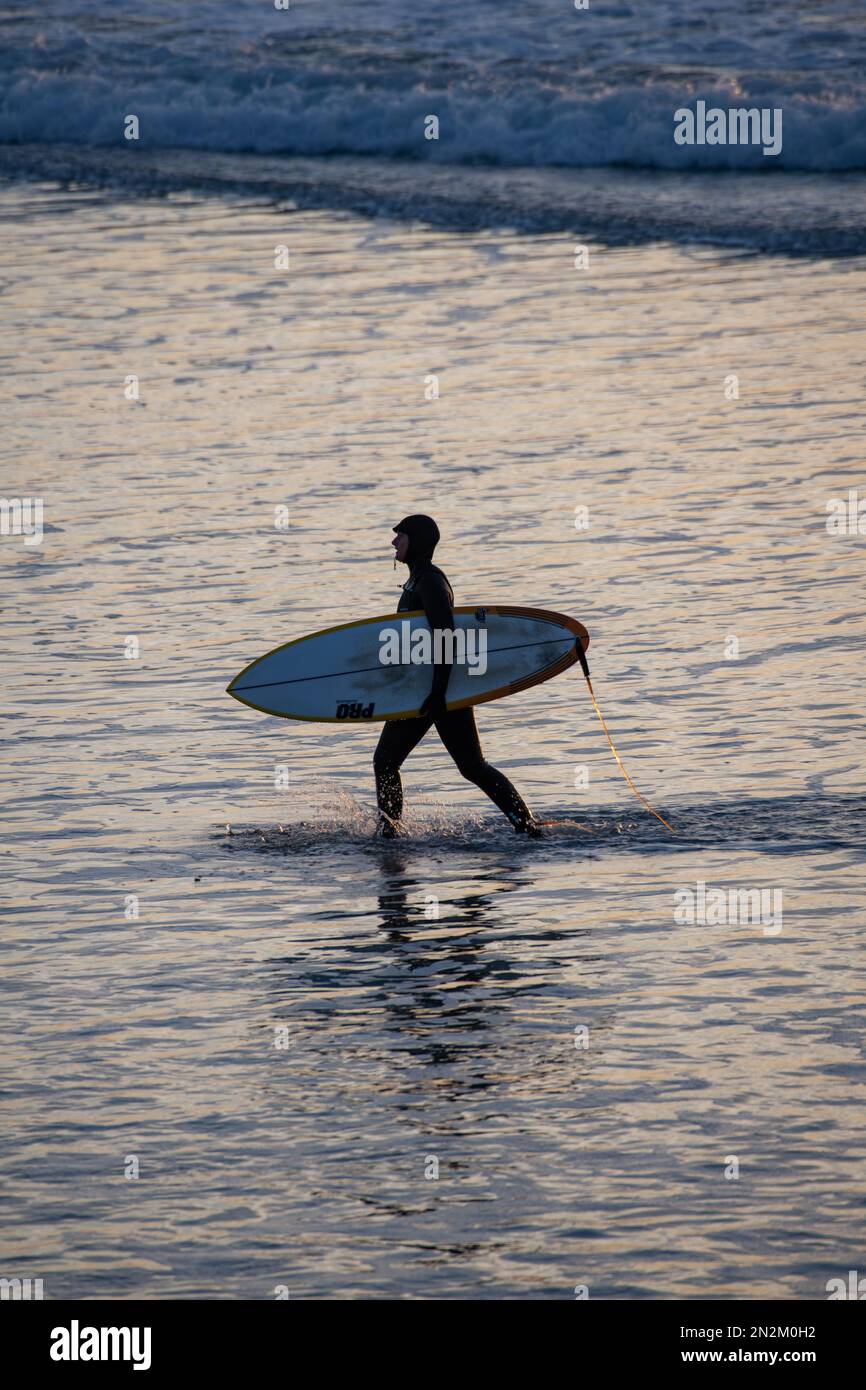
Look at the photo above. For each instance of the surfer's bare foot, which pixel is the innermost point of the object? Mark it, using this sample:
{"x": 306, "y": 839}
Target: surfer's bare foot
{"x": 531, "y": 827}
{"x": 386, "y": 829}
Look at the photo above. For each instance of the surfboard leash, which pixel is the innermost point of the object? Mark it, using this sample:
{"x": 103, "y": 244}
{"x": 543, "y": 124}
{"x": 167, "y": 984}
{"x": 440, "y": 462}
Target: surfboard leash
{"x": 581, "y": 656}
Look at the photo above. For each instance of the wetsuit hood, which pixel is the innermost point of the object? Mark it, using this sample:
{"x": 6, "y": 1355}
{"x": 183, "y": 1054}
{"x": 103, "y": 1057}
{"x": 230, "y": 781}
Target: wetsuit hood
{"x": 423, "y": 536}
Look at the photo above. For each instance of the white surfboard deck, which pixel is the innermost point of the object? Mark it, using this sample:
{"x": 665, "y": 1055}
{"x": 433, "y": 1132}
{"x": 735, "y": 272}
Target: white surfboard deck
{"x": 337, "y": 676}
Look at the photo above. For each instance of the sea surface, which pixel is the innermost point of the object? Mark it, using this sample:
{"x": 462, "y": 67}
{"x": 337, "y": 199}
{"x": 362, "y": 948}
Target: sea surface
{"x": 250, "y": 1047}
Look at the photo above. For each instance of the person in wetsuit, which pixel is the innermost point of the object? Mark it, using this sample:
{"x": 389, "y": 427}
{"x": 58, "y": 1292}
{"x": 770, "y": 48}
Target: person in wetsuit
{"x": 428, "y": 588}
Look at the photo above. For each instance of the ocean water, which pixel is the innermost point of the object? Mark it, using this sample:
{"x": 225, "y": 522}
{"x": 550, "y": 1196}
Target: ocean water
{"x": 458, "y": 1065}
{"x": 550, "y": 118}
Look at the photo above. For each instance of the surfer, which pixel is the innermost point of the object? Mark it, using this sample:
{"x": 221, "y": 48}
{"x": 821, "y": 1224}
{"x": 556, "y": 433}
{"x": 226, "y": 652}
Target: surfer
{"x": 427, "y": 587}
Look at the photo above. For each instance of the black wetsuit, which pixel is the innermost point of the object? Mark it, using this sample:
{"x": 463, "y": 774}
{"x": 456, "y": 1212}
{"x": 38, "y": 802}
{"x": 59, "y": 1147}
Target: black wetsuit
{"x": 428, "y": 588}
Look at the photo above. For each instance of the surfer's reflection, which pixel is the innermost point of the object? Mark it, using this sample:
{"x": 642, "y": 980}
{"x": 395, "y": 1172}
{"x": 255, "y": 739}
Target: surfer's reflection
{"x": 450, "y": 980}
{"x": 407, "y": 903}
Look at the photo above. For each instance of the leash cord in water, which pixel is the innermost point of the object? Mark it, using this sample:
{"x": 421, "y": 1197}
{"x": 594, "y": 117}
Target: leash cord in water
{"x": 582, "y": 659}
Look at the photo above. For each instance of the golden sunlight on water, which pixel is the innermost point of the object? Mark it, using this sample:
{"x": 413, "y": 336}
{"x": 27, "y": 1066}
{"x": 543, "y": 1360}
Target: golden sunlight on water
{"x": 152, "y": 956}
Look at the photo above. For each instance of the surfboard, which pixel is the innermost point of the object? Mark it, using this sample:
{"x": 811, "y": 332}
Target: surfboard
{"x": 348, "y": 674}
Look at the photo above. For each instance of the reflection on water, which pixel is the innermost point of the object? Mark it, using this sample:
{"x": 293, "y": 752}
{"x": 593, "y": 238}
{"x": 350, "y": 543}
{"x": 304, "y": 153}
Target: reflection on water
{"x": 430, "y": 998}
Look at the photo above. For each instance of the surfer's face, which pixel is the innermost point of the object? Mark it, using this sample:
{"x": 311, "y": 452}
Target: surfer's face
{"x": 401, "y": 546}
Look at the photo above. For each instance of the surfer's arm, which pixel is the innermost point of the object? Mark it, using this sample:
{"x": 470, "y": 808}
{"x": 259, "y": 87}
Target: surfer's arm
{"x": 436, "y": 602}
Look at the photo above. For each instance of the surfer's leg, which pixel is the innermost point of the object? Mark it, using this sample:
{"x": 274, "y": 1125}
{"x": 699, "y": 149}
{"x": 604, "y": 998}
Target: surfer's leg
{"x": 398, "y": 738}
{"x": 459, "y": 733}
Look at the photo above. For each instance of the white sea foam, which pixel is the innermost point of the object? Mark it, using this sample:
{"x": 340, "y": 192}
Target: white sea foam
{"x": 513, "y": 85}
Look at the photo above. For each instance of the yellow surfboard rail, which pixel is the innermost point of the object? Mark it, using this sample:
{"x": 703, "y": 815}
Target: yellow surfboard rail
{"x": 577, "y": 629}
